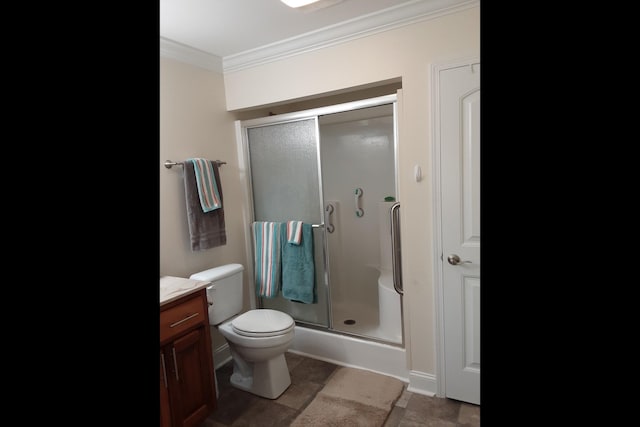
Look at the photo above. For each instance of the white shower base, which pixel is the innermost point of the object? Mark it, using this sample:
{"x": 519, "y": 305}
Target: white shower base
{"x": 365, "y": 318}
{"x": 351, "y": 351}
{"x": 366, "y": 323}
{"x": 383, "y": 322}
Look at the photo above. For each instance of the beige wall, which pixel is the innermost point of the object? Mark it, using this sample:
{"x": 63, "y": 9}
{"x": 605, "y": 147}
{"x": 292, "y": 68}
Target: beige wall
{"x": 194, "y": 123}
{"x": 406, "y": 53}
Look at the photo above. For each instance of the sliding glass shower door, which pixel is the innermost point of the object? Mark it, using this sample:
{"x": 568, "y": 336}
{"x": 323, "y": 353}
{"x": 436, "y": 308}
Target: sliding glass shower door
{"x": 359, "y": 186}
{"x": 285, "y": 181}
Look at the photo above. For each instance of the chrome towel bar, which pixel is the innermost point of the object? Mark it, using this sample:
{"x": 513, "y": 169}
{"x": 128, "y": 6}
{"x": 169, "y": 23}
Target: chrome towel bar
{"x": 168, "y": 163}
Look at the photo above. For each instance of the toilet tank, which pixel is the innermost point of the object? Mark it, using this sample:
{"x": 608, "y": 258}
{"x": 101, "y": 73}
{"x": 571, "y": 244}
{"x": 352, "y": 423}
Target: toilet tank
{"x": 225, "y": 293}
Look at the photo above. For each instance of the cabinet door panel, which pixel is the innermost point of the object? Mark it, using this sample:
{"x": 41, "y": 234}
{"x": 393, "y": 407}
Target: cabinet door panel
{"x": 193, "y": 378}
{"x": 165, "y": 412}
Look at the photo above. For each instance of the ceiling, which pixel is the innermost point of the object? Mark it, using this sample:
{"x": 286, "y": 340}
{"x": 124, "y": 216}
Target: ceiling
{"x": 227, "y": 27}
{"x": 234, "y": 31}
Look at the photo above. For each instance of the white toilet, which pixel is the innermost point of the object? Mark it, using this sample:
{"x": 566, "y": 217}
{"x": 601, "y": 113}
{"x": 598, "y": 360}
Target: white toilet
{"x": 257, "y": 338}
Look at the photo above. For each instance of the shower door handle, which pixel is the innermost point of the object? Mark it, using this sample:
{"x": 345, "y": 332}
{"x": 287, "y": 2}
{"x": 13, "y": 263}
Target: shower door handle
{"x": 396, "y": 260}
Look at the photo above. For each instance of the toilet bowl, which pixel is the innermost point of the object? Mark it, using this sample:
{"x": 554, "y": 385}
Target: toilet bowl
{"x": 257, "y": 338}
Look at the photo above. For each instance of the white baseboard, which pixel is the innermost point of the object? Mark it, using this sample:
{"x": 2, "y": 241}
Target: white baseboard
{"x": 422, "y": 383}
{"x": 419, "y": 382}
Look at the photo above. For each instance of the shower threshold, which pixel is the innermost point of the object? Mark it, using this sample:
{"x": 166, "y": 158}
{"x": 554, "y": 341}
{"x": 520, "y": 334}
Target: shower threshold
{"x": 348, "y": 350}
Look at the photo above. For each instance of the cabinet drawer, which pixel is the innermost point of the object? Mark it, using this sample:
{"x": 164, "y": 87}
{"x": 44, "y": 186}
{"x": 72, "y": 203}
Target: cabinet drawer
{"x": 186, "y": 314}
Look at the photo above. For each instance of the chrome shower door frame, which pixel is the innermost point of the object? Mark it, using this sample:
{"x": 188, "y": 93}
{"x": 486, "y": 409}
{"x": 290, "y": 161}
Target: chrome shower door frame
{"x": 244, "y": 160}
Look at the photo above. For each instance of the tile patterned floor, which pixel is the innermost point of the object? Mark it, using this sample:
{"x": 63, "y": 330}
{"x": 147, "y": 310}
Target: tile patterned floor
{"x": 237, "y": 408}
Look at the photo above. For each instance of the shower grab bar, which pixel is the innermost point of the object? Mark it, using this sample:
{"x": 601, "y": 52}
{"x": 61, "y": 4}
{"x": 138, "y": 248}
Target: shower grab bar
{"x": 396, "y": 260}
{"x": 358, "y": 195}
{"x": 330, "y": 209}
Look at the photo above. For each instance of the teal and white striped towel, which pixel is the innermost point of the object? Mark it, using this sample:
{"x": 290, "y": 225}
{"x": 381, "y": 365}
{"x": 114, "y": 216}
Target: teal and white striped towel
{"x": 266, "y": 241}
{"x": 294, "y": 232}
{"x": 207, "y": 186}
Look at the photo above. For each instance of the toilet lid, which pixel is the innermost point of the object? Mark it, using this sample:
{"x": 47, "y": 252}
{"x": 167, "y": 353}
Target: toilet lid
{"x": 262, "y": 322}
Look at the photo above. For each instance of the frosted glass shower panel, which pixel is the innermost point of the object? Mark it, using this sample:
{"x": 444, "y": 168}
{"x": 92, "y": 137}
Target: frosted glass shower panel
{"x": 284, "y": 172}
{"x": 285, "y": 184}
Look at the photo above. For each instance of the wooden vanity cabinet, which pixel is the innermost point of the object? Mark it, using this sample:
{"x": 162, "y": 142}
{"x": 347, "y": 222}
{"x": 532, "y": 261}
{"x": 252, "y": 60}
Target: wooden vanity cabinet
{"x": 187, "y": 377}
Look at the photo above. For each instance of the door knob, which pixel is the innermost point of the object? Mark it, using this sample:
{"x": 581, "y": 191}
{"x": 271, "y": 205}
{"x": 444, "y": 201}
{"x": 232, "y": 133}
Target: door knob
{"x": 455, "y": 260}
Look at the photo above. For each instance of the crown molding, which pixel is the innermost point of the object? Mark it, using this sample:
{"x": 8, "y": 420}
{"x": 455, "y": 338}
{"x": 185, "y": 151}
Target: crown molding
{"x": 189, "y": 55}
{"x": 387, "y": 19}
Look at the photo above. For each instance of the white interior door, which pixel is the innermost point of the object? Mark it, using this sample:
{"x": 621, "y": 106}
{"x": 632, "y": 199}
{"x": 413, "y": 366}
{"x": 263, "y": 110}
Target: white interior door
{"x": 459, "y": 106}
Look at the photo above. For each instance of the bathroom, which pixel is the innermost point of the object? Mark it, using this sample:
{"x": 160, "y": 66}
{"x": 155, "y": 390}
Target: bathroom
{"x": 199, "y": 110}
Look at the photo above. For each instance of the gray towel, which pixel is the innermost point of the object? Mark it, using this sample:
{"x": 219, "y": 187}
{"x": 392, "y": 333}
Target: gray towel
{"x": 206, "y": 229}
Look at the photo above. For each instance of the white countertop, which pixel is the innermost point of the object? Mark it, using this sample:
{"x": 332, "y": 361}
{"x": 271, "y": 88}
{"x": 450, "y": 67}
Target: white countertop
{"x": 172, "y": 288}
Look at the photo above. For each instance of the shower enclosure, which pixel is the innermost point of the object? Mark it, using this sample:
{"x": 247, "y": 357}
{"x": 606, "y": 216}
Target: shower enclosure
{"x": 335, "y": 167}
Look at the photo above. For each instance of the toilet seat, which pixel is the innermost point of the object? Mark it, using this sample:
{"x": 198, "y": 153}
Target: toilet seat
{"x": 262, "y": 323}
